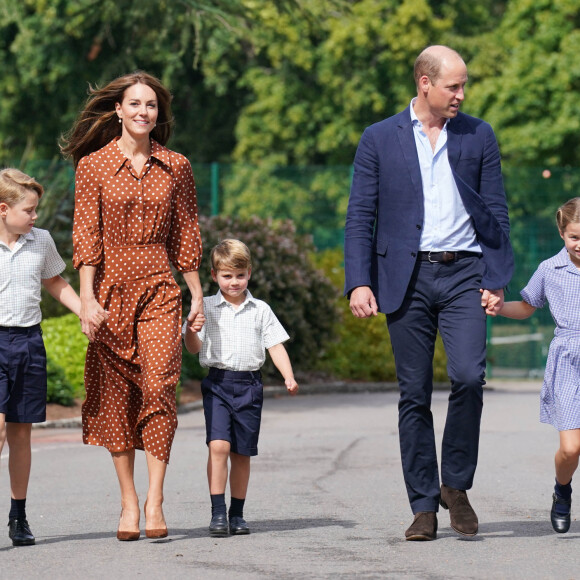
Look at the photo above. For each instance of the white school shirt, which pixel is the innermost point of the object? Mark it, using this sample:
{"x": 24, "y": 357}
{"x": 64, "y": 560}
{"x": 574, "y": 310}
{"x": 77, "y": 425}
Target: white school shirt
{"x": 237, "y": 339}
{"x": 446, "y": 224}
{"x": 33, "y": 258}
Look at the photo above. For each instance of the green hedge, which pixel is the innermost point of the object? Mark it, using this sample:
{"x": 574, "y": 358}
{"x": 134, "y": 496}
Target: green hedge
{"x": 362, "y": 349}
{"x": 65, "y": 346}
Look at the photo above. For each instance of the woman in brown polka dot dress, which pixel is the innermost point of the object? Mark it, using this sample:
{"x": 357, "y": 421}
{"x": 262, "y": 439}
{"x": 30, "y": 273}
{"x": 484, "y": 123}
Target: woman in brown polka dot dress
{"x": 135, "y": 213}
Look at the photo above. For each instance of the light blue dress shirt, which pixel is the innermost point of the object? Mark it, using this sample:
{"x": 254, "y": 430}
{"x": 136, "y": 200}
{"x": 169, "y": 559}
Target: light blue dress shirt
{"x": 447, "y": 226}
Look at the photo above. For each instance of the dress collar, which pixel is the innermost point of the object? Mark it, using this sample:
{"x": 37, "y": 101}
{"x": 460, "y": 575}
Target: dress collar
{"x": 158, "y": 151}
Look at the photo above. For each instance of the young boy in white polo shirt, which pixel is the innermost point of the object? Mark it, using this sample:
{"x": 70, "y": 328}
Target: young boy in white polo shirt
{"x": 28, "y": 258}
{"x": 232, "y": 343}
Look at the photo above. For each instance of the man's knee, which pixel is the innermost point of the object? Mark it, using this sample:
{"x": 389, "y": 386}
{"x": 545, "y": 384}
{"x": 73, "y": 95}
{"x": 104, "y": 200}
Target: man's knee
{"x": 468, "y": 377}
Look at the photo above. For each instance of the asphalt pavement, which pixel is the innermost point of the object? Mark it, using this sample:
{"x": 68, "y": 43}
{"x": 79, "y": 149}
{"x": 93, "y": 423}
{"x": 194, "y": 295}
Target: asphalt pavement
{"x": 326, "y": 499}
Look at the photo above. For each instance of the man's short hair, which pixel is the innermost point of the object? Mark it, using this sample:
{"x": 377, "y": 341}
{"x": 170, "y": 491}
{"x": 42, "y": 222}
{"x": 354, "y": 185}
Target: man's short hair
{"x": 429, "y": 63}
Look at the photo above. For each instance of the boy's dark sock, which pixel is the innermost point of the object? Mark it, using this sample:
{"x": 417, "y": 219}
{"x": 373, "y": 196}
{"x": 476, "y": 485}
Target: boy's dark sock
{"x": 218, "y": 504}
{"x": 564, "y": 492}
{"x": 17, "y": 509}
{"x": 236, "y": 508}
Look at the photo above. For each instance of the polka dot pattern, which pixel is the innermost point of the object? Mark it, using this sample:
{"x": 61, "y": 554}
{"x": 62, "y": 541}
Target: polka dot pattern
{"x": 131, "y": 227}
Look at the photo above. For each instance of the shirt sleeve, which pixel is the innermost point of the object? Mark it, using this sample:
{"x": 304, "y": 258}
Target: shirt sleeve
{"x": 87, "y": 226}
{"x": 273, "y": 332}
{"x": 53, "y": 263}
{"x": 535, "y": 292}
{"x": 184, "y": 246}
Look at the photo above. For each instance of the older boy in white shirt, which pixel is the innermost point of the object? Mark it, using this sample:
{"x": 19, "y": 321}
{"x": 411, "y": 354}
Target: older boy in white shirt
{"x": 28, "y": 260}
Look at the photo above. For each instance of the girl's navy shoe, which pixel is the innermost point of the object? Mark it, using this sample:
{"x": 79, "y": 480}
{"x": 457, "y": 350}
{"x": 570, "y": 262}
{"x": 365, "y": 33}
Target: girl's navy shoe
{"x": 560, "y": 514}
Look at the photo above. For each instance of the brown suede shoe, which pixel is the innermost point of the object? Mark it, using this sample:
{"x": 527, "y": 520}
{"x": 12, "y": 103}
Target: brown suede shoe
{"x": 463, "y": 518}
{"x": 423, "y": 528}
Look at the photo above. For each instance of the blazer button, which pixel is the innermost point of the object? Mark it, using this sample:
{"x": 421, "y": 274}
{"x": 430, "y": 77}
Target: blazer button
{"x": 418, "y": 227}
{"x": 414, "y": 254}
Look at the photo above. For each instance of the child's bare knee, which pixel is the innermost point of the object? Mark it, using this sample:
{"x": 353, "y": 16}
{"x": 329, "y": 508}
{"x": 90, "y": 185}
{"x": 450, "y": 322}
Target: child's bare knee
{"x": 569, "y": 451}
{"x": 219, "y": 447}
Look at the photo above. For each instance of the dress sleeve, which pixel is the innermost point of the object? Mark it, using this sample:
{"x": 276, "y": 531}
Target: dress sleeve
{"x": 87, "y": 225}
{"x": 535, "y": 292}
{"x": 184, "y": 246}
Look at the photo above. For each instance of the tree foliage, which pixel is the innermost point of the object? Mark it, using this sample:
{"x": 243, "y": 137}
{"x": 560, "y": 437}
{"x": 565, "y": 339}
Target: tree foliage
{"x": 528, "y": 78}
{"x": 290, "y": 81}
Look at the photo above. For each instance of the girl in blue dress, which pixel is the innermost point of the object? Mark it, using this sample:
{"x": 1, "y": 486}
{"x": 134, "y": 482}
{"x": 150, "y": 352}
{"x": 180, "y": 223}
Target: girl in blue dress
{"x": 557, "y": 281}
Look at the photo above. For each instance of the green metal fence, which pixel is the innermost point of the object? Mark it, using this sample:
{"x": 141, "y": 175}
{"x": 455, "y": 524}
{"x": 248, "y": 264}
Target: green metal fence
{"x": 316, "y": 198}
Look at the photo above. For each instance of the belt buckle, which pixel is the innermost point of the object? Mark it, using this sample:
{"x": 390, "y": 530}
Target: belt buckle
{"x": 430, "y": 260}
{"x": 445, "y": 257}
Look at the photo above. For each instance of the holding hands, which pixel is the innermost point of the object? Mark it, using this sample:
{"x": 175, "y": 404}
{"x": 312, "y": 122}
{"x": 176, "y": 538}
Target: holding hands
{"x": 91, "y": 316}
{"x": 196, "y": 323}
{"x": 492, "y": 301}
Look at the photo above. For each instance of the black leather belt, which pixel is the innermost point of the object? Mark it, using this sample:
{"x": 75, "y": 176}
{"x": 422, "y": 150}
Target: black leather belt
{"x": 436, "y": 257}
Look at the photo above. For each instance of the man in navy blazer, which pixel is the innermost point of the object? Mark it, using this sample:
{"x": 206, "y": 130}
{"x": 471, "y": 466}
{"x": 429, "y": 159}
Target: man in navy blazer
{"x": 427, "y": 243}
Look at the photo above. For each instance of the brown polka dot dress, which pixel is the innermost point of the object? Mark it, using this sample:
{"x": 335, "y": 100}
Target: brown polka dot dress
{"x": 131, "y": 227}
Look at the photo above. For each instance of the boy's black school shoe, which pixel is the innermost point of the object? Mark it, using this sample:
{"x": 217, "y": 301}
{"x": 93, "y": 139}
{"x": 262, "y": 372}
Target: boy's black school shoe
{"x": 560, "y": 522}
{"x": 238, "y": 526}
{"x": 218, "y": 525}
{"x": 19, "y": 532}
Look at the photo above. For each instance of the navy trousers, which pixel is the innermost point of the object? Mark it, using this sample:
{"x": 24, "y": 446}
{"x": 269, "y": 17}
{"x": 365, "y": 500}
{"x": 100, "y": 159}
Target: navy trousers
{"x": 444, "y": 297}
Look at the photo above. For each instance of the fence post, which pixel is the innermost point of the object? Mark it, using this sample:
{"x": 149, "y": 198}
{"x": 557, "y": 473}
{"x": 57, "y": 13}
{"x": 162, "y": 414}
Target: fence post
{"x": 215, "y": 192}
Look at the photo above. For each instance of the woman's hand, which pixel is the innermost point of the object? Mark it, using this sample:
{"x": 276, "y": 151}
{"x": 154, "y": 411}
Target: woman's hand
{"x": 92, "y": 315}
{"x": 194, "y": 285}
{"x": 195, "y": 311}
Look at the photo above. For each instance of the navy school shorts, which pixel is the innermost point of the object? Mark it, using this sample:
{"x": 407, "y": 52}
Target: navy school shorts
{"x": 22, "y": 374}
{"x": 232, "y": 404}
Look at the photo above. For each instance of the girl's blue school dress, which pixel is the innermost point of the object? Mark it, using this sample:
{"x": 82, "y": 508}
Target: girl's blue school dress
{"x": 557, "y": 280}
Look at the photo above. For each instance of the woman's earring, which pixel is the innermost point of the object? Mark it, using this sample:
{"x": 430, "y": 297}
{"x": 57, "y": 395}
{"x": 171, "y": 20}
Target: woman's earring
{"x": 120, "y": 120}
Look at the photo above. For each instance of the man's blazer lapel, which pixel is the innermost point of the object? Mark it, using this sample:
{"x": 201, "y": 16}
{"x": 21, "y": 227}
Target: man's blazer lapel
{"x": 409, "y": 149}
{"x": 454, "y": 136}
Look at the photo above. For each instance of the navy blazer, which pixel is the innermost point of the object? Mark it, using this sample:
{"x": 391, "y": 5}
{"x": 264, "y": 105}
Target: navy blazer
{"x": 386, "y": 207}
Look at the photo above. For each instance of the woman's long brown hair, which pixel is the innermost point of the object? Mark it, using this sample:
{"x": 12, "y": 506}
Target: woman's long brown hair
{"x": 98, "y": 123}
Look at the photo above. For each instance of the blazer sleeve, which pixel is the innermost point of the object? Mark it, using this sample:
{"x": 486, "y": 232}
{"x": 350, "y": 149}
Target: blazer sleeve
{"x": 479, "y": 179}
{"x": 361, "y": 215}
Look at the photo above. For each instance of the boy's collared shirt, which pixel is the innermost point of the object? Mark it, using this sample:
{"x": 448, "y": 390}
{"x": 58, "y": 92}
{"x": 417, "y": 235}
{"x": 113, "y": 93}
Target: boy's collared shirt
{"x": 33, "y": 258}
{"x": 237, "y": 339}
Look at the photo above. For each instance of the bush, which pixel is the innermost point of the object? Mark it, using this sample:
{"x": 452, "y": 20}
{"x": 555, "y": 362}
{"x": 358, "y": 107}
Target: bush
{"x": 60, "y": 391}
{"x": 283, "y": 275}
{"x": 362, "y": 349}
{"x": 65, "y": 346}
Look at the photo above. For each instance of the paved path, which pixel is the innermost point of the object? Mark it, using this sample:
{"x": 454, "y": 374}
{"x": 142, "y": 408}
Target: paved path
{"x": 326, "y": 500}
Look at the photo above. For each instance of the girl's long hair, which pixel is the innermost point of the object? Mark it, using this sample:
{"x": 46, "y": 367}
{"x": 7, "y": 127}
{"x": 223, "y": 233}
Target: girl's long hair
{"x": 98, "y": 123}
